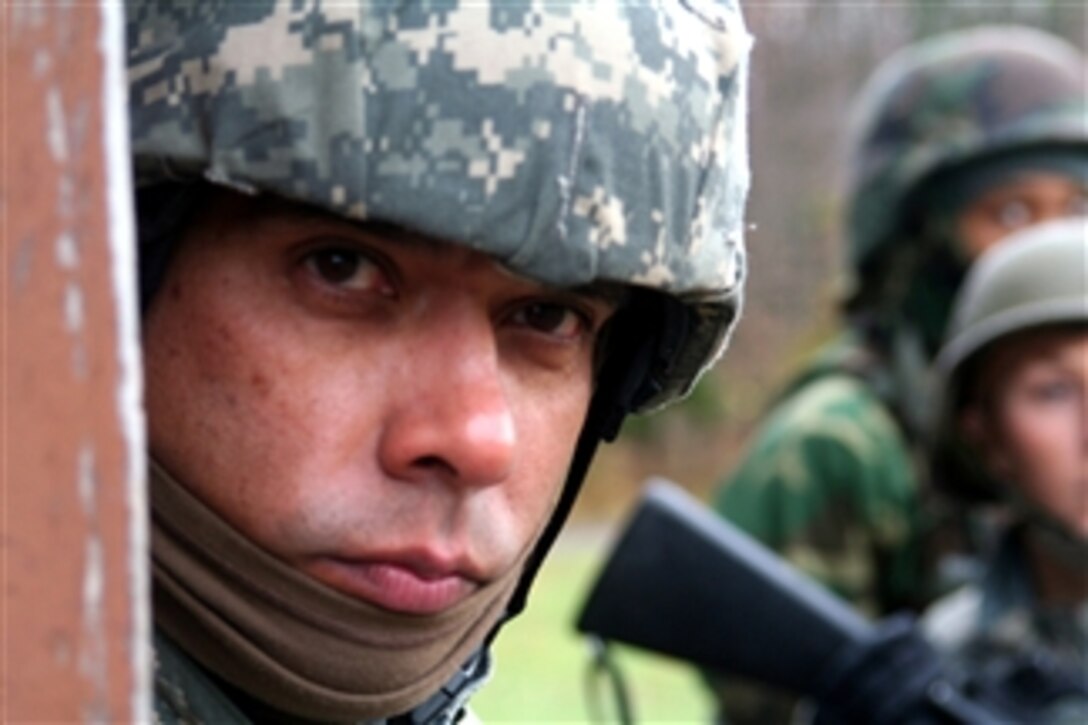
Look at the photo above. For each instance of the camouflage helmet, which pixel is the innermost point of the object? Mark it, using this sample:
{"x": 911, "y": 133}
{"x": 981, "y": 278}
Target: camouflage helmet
{"x": 1035, "y": 278}
{"x": 575, "y": 142}
{"x": 947, "y": 103}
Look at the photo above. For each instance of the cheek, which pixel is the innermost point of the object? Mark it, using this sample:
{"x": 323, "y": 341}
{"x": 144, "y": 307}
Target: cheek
{"x": 192, "y": 361}
{"x": 548, "y": 431}
{"x": 1047, "y": 459}
{"x": 977, "y": 234}
{"x": 202, "y": 387}
{"x": 235, "y": 411}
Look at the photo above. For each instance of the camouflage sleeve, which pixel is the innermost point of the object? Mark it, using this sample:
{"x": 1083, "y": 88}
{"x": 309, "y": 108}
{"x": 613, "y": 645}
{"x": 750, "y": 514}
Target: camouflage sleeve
{"x": 828, "y": 482}
{"x": 185, "y": 694}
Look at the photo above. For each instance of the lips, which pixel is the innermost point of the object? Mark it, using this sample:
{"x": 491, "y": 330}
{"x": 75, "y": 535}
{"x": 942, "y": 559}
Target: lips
{"x": 405, "y": 584}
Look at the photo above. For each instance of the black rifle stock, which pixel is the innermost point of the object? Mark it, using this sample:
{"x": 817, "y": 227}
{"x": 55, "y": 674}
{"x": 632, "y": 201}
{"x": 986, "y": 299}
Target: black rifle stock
{"x": 683, "y": 582}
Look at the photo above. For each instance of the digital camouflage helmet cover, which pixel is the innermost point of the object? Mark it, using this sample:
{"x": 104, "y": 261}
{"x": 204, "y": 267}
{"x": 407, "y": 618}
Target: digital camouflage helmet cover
{"x": 573, "y": 141}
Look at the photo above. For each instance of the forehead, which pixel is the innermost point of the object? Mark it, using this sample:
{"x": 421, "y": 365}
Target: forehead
{"x": 1061, "y": 345}
{"x": 269, "y": 216}
{"x": 1040, "y": 181}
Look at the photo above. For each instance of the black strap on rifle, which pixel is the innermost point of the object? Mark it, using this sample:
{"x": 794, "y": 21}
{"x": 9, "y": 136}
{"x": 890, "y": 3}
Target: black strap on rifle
{"x": 603, "y": 666}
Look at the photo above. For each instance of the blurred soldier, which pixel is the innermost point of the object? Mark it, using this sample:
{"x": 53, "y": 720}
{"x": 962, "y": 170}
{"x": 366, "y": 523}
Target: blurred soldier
{"x": 957, "y": 141}
{"x": 404, "y": 265}
{"x": 1013, "y": 428}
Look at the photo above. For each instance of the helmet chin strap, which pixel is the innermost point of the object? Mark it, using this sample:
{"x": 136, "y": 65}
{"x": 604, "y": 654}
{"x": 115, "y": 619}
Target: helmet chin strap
{"x": 1059, "y": 540}
{"x": 634, "y": 365}
{"x": 1067, "y": 548}
{"x": 162, "y": 215}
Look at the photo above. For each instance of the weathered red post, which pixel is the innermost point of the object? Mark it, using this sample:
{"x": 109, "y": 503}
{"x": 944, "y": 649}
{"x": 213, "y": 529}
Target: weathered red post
{"x": 73, "y": 603}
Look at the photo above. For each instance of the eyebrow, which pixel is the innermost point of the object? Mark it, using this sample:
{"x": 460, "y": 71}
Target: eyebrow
{"x": 613, "y": 293}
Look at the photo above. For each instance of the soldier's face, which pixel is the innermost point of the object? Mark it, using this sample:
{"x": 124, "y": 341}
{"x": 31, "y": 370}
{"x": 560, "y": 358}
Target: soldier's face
{"x": 391, "y": 415}
{"x": 1017, "y": 204}
{"x": 1038, "y": 420}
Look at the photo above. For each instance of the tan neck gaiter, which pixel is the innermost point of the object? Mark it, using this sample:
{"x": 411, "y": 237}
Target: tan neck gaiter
{"x": 288, "y": 640}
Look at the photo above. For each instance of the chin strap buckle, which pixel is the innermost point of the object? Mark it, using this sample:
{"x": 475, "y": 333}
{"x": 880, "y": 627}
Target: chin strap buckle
{"x": 446, "y": 706}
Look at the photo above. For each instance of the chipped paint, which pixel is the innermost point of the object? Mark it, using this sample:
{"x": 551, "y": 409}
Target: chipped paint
{"x": 73, "y": 308}
{"x": 56, "y": 130}
{"x": 94, "y": 650}
{"x": 67, "y": 251}
{"x": 122, "y": 239}
{"x": 93, "y": 654}
{"x": 93, "y": 586}
{"x": 43, "y": 63}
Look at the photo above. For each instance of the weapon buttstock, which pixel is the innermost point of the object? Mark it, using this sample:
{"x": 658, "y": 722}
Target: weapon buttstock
{"x": 684, "y": 582}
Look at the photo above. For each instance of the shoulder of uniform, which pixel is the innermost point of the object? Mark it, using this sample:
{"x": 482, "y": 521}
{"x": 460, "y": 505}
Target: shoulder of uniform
{"x": 833, "y": 406}
{"x": 184, "y": 694}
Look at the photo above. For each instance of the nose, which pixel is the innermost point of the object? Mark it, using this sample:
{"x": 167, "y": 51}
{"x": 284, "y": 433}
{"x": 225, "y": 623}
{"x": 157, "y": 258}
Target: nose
{"x": 1067, "y": 202}
{"x": 1053, "y": 212}
{"x": 453, "y": 420}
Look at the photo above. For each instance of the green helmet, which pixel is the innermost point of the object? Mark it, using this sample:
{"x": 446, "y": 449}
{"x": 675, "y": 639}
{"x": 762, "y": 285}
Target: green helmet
{"x": 952, "y": 102}
{"x": 1035, "y": 278}
{"x": 575, "y": 142}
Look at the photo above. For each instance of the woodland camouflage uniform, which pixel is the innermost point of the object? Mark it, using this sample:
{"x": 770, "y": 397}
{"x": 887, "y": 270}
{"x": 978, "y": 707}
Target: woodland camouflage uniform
{"x": 831, "y": 479}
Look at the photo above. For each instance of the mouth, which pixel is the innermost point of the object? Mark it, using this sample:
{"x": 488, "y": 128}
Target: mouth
{"x": 404, "y": 584}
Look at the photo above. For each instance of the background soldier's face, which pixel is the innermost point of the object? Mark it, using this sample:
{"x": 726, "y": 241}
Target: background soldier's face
{"x": 391, "y": 415}
{"x": 1018, "y": 204}
{"x": 1036, "y": 420}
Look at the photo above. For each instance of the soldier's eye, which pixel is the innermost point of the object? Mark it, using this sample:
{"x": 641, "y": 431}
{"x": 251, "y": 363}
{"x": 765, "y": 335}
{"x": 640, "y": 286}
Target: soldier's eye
{"x": 1053, "y": 392}
{"x": 1013, "y": 214}
{"x": 347, "y": 269}
{"x": 551, "y": 318}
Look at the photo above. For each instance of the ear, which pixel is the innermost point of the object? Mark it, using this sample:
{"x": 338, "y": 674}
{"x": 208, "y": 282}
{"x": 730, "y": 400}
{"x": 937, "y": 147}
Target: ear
{"x": 980, "y": 430}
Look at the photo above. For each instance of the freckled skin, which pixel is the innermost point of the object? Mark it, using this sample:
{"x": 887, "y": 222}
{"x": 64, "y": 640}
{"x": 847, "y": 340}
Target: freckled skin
{"x": 412, "y": 411}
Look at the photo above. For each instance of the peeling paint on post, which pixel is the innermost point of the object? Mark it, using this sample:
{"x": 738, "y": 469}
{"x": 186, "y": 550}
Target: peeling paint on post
{"x": 74, "y": 603}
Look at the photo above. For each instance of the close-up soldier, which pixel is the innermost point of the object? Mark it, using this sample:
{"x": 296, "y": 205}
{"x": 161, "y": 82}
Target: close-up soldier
{"x": 403, "y": 266}
{"x": 955, "y": 141}
{"x": 1010, "y": 436}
